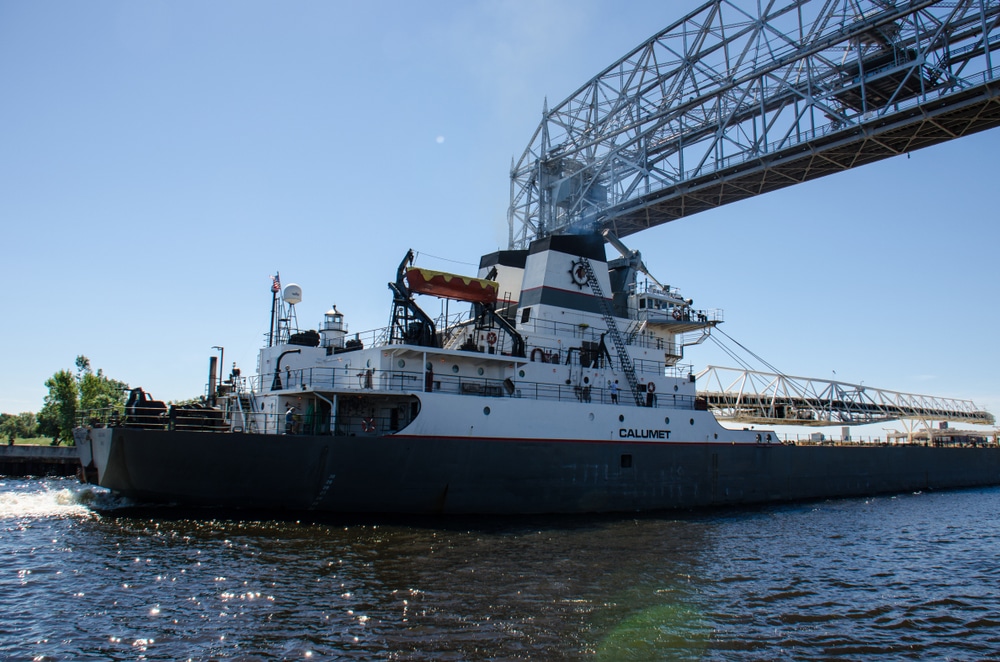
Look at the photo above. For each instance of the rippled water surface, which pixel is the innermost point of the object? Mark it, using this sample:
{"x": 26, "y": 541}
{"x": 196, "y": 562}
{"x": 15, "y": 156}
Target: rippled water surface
{"x": 907, "y": 577}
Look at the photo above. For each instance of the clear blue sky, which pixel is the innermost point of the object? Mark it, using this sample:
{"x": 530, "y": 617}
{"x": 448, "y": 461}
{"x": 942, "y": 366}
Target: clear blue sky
{"x": 158, "y": 160}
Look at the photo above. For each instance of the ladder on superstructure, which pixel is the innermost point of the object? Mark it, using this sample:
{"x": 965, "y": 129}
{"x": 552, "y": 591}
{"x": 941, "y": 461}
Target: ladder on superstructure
{"x": 624, "y": 358}
{"x": 248, "y": 398}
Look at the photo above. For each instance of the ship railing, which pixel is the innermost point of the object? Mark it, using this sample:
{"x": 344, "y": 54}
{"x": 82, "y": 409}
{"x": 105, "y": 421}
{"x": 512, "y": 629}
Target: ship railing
{"x": 647, "y": 287}
{"x": 562, "y": 329}
{"x": 104, "y": 417}
{"x": 543, "y": 391}
{"x": 600, "y": 394}
{"x": 362, "y": 339}
{"x": 150, "y": 418}
{"x": 555, "y": 353}
{"x": 180, "y": 418}
{"x": 316, "y": 423}
{"x": 648, "y": 368}
{"x": 399, "y": 380}
{"x": 403, "y": 381}
{"x": 322, "y": 423}
{"x": 349, "y": 341}
{"x": 585, "y": 331}
{"x": 656, "y": 342}
{"x": 701, "y": 316}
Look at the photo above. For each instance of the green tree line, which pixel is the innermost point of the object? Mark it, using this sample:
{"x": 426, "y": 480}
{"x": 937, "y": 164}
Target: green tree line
{"x": 69, "y": 393}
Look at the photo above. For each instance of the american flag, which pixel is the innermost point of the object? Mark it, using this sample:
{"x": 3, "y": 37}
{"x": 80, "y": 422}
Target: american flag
{"x": 275, "y": 283}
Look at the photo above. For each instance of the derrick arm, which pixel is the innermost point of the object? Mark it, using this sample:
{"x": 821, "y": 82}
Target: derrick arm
{"x": 409, "y": 324}
{"x": 517, "y": 341}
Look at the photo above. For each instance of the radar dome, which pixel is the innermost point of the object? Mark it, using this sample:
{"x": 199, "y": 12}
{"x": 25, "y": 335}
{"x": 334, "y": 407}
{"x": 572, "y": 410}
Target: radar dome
{"x": 292, "y": 294}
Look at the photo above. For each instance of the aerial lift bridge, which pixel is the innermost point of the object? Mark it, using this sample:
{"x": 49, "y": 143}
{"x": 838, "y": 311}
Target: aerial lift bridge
{"x": 741, "y": 98}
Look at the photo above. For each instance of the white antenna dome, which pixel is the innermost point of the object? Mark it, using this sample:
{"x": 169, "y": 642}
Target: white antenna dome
{"x": 292, "y": 294}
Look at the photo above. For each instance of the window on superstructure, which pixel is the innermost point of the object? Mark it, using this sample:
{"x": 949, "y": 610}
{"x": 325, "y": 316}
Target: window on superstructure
{"x": 525, "y": 315}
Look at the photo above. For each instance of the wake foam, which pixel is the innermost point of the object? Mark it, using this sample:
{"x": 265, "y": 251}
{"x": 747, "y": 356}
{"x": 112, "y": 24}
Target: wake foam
{"x": 34, "y": 498}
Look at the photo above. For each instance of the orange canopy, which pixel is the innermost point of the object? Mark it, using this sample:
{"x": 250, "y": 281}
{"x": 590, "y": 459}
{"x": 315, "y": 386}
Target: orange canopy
{"x": 451, "y": 286}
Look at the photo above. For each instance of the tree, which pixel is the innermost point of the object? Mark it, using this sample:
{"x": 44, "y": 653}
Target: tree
{"x": 21, "y": 426}
{"x": 98, "y": 391}
{"x": 58, "y": 415}
{"x": 70, "y": 393}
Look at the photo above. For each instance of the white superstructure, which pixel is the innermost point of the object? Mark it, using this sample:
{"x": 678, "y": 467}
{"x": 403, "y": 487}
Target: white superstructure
{"x": 558, "y": 343}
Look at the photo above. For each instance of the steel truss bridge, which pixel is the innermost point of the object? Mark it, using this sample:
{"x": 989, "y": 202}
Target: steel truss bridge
{"x": 741, "y": 98}
{"x": 768, "y": 398}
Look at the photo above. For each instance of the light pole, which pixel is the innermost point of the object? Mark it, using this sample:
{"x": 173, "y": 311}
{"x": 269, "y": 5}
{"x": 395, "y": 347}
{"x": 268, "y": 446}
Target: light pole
{"x": 222, "y": 353}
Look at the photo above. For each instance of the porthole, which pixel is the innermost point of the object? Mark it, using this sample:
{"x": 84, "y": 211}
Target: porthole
{"x": 621, "y": 418}
{"x": 401, "y": 363}
{"x": 675, "y": 387}
{"x": 454, "y": 368}
{"x": 520, "y": 373}
{"x": 486, "y": 410}
{"x": 716, "y": 435}
{"x": 430, "y": 366}
{"x": 590, "y": 416}
{"x": 368, "y": 364}
{"x": 479, "y": 371}
{"x": 692, "y": 421}
{"x": 667, "y": 420}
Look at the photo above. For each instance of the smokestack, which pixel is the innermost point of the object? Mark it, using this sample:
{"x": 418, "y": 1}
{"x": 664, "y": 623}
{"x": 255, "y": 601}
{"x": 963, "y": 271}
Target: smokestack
{"x": 212, "y": 371}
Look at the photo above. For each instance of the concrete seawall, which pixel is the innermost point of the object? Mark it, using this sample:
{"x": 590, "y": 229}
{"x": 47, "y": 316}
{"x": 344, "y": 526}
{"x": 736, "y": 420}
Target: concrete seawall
{"x": 30, "y": 460}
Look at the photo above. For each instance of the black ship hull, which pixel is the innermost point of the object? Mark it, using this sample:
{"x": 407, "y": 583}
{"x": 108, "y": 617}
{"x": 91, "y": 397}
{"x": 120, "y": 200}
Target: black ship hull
{"x": 420, "y": 475}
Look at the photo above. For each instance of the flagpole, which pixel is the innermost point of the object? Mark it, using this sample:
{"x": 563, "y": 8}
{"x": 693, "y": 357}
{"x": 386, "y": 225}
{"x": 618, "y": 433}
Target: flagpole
{"x": 275, "y": 288}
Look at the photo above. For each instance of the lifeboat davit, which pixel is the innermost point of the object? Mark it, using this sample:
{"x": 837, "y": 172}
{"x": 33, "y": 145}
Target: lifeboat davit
{"x": 451, "y": 286}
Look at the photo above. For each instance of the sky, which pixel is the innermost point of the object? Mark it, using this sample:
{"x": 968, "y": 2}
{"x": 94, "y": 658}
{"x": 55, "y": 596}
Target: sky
{"x": 160, "y": 160}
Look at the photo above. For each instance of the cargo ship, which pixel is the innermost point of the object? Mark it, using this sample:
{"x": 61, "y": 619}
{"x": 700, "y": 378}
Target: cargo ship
{"x": 559, "y": 387}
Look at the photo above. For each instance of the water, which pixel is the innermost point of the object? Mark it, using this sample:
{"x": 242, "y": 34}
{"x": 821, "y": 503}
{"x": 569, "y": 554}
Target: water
{"x": 907, "y": 577}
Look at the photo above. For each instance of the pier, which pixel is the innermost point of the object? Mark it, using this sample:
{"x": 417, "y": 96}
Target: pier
{"x": 31, "y": 460}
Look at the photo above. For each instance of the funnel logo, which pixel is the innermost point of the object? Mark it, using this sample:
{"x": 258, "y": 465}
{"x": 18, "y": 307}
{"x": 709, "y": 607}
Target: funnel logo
{"x": 578, "y": 273}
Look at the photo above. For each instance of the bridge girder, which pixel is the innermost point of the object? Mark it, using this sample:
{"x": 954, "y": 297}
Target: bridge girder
{"x": 725, "y": 104}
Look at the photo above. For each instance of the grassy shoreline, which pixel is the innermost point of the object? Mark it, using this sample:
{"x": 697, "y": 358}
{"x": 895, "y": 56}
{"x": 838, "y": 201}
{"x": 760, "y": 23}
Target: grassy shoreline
{"x": 33, "y": 441}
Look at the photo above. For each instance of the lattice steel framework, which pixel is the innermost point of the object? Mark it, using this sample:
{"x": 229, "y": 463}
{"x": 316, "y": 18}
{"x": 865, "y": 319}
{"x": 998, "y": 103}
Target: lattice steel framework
{"x": 739, "y": 98}
{"x": 750, "y": 396}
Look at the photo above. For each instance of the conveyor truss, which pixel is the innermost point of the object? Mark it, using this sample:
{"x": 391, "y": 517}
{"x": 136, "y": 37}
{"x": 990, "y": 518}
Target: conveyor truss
{"x": 768, "y": 398}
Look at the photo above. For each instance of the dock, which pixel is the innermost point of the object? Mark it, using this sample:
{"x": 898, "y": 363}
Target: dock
{"x": 31, "y": 460}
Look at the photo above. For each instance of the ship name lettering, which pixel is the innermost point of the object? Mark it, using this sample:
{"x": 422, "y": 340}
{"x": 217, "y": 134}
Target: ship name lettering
{"x": 631, "y": 433}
